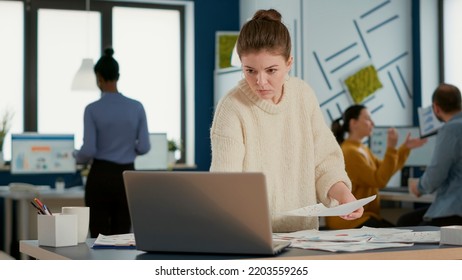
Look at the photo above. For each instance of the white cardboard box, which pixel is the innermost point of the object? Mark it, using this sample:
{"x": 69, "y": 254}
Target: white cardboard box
{"x": 451, "y": 235}
{"x": 57, "y": 230}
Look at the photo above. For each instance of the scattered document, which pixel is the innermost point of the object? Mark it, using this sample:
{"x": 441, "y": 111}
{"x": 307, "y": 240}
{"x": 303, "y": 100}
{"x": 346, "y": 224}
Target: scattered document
{"x": 355, "y": 240}
{"x": 320, "y": 210}
{"x": 428, "y": 123}
{"x": 409, "y": 237}
{"x": 343, "y": 235}
{"x": 346, "y": 246}
{"x": 121, "y": 241}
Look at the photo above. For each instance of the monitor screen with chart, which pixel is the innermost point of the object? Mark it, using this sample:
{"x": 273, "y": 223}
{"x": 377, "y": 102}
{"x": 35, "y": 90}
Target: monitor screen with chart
{"x": 418, "y": 157}
{"x": 36, "y": 153}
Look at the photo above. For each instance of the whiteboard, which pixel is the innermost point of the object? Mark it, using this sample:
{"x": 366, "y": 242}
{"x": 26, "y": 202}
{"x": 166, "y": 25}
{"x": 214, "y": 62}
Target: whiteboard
{"x": 340, "y": 37}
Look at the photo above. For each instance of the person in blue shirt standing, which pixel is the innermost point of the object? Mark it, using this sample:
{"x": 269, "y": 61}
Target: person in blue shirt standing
{"x": 444, "y": 174}
{"x": 115, "y": 132}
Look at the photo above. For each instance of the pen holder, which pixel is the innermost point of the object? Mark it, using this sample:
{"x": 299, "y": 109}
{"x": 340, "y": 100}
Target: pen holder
{"x": 57, "y": 230}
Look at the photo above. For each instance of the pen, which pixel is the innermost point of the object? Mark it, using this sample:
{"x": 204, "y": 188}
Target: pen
{"x": 43, "y": 207}
{"x": 39, "y": 203}
{"x": 46, "y": 210}
{"x": 40, "y": 211}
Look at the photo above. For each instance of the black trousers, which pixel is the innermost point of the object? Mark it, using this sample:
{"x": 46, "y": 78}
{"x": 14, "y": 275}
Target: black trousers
{"x": 105, "y": 195}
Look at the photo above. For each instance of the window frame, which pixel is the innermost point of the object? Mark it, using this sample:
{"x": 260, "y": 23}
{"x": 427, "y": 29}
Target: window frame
{"x": 105, "y": 8}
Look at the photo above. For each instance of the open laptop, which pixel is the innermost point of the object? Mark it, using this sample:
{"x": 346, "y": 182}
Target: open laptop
{"x": 201, "y": 212}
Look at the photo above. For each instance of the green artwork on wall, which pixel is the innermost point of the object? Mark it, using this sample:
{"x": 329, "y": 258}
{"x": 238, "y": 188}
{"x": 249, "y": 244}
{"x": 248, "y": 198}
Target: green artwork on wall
{"x": 363, "y": 83}
{"x": 225, "y": 43}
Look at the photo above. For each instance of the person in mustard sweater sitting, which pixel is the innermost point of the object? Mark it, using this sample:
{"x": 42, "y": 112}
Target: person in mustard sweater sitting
{"x": 368, "y": 174}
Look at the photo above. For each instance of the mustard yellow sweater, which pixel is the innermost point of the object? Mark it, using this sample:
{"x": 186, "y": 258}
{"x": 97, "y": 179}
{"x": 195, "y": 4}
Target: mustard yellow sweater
{"x": 289, "y": 142}
{"x": 368, "y": 175}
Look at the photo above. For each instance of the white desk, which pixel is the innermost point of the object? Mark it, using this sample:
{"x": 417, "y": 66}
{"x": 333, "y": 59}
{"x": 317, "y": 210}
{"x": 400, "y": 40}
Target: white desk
{"x": 405, "y": 197}
{"x": 22, "y": 215}
{"x": 24, "y": 198}
{"x": 83, "y": 251}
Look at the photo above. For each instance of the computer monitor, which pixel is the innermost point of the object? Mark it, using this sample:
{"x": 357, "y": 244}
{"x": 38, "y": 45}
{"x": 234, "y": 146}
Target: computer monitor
{"x": 157, "y": 157}
{"x": 36, "y": 153}
{"x": 418, "y": 157}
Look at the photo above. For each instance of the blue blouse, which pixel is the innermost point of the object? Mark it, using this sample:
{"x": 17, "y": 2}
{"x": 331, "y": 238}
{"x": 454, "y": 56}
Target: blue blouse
{"x": 115, "y": 129}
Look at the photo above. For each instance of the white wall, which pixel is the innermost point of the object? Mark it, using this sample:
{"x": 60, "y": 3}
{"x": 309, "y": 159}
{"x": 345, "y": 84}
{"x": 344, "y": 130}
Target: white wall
{"x": 429, "y": 49}
{"x": 343, "y": 36}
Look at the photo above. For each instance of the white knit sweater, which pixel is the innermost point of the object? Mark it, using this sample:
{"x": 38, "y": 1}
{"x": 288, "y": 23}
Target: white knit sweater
{"x": 289, "y": 142}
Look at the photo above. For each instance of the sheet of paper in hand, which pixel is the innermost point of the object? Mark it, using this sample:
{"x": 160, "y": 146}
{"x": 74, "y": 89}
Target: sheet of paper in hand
{"x": 321, "y": 210}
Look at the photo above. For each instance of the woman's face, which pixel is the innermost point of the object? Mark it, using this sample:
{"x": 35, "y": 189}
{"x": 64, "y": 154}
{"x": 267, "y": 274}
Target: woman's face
{"x": 266, "y": 73}
{"x": 362, "y": 126}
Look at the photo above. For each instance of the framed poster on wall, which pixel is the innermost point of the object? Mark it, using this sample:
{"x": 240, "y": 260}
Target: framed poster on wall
{"x": 224, "y": 45}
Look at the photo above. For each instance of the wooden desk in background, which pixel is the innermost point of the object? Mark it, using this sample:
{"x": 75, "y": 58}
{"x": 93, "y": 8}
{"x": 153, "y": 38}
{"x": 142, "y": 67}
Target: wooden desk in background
{"x": 405, "y": 197}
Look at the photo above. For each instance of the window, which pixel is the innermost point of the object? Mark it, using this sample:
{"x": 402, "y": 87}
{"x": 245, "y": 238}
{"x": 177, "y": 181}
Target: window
{"x": 150, "y": 64}
{"x": 64, "y": 39}
{"x": 11, "y": 67}
{"x": 59, "y": 34}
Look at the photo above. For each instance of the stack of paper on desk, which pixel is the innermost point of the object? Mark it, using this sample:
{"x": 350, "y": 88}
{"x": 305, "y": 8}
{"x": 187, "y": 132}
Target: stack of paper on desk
{"x": 121, "y": 241}
{"x": 354, "y": 240}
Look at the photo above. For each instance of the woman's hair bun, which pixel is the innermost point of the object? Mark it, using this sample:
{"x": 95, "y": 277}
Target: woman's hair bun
{"x": 109, "y": 51}
{"x": 270, "y": 15}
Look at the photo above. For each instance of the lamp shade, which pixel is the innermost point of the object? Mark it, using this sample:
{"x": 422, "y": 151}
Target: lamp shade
{"x": 235, "y": 60}
{"x": 85, "y": 78}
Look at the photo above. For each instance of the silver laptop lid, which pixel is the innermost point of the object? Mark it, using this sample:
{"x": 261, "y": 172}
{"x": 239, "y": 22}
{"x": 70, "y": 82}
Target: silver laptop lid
{"x": 199, "y": 212}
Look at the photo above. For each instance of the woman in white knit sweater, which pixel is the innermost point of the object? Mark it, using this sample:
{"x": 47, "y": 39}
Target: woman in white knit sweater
{"x": 273, "y": 124}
